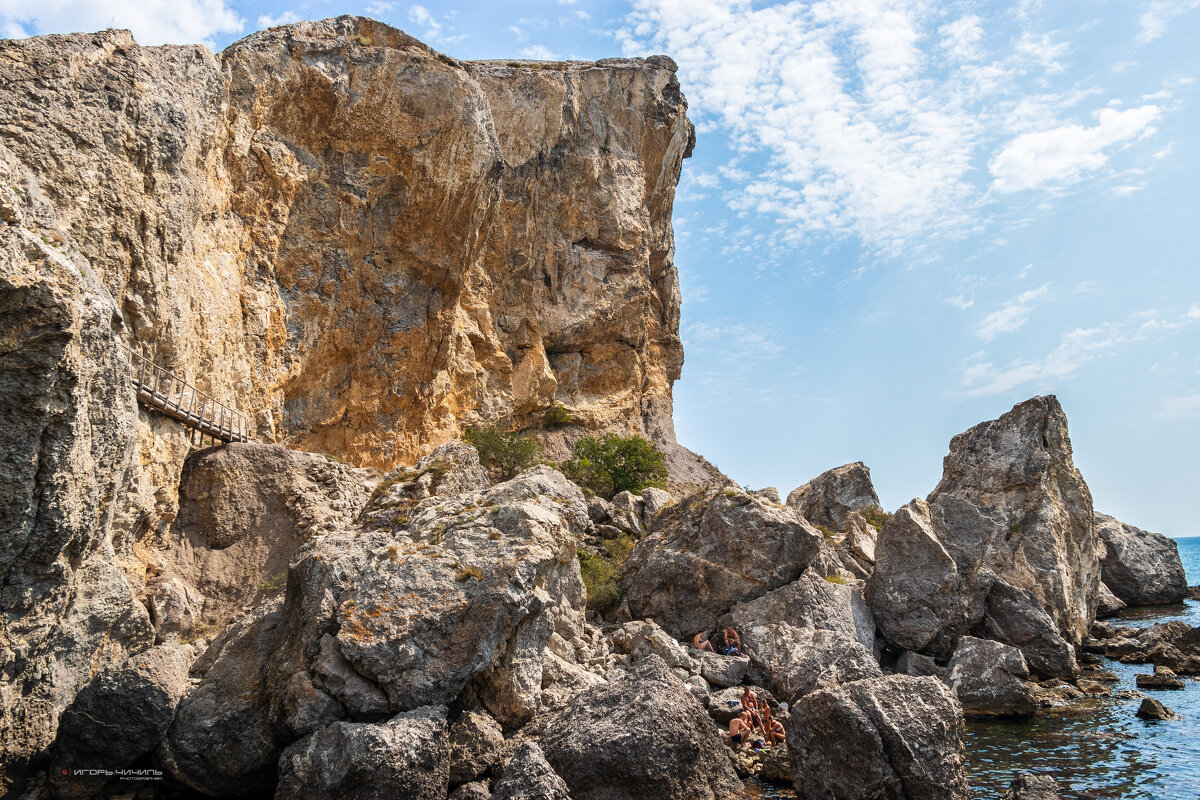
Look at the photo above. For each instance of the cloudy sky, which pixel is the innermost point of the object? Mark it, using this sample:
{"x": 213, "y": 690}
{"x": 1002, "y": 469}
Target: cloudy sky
{"x": 901, "y": 218}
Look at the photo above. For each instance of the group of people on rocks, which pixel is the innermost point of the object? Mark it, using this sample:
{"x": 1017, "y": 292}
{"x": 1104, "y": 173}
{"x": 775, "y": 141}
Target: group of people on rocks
{"x": 754, "y": 725}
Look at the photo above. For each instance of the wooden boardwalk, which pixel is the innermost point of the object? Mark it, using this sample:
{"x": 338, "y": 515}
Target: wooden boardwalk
{"x": 160, "y": 389}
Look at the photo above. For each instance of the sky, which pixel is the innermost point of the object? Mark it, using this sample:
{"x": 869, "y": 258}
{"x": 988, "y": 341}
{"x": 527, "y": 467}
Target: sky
{"x": 901, "y": 217}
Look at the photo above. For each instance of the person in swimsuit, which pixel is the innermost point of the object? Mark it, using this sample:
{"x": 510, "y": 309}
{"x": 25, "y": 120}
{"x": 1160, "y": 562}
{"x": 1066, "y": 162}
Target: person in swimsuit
{"x": 774, "y": 731}
{"x": 740, "y": 729}
{"x": 749, "y": 700}
{"x": 733, "y": 643}
{"x": 702, "y": 645}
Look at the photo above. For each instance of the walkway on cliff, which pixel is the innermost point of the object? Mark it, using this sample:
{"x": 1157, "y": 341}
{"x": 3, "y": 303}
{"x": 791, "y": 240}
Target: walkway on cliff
{"x": 161, "y": 390}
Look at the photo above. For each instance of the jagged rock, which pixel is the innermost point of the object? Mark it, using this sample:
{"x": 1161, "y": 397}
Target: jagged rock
{"x": 1028, "y": 786}
{"x": 775, "y": 765}
{"x": 654, "y": 500}
{"x": 562, "y": 680}
{"x": 476, "y": 744}
{"x": 1193, "y": 593}
{"x": 796, "y": 661}
{"x": 829, "y": 498}
{"x": 67, "y": 434}
{"x": 1107, "y": 603}
{"x": 711, "y": 550}
{"x": 676, "y": 753}
{"x": 362, "y": 698}
{"x": 528, "y": 776}
{"x": 223, "y": 739}
{"x": 770, "y": 493}
{"x": 244, "y": 509}
{"x": 1092, "y": 688}
{"x": 1173, "y": 644}
{"x": 627, "y": 513}
{"x": 810, "y": 601}
{"x": 895, "y": 737}
{"x": 599, "y": 509}
{"x": 918, "y": 666}
{"x": 990, "y": 679}
{"x": 1153, "y": 709}
{"x": 476, "y": 790}
{"x": 451, "y": 469}
{"x": 1005, "y": 543}
{"x": 641, "y": 638}
{"x": 1140, "y": 567}
{"x": 119, "y": 717}
{"x": 404, "y": 758}
{"x": 723, "y": 671}
{"x": 1162, "y": 678}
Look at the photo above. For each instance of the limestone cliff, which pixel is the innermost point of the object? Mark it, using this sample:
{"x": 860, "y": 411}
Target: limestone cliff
{"x": 364, "y": 243}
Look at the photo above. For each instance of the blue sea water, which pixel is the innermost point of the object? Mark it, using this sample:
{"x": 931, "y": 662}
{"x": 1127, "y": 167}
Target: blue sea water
{"x": 1100, "y": 748}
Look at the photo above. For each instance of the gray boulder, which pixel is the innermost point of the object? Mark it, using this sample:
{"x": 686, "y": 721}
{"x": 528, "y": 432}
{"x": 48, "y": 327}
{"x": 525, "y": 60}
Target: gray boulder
{"x": 476, "y": 746}
{"x": 990, "y": 679}
{"x": 810, "y": 601}
{"x": 710, "y": 551}
{"x": 475, "y": 790}
{"x": 722, "y": 671}
{"x": 119, "y": 717}
{"x": 654, "y": 500}
{"x": 918, "y": 666}
{"x": 404, "y": 758}
{"x": 1154, "y": 710}
{"x": 1107, "y": 603}
{"x": 895, "y": 737}
{"x": 627, "y": 512}
{"x": 829, "y": 498}
{"x": 793, "y": 662}
{"x": 641, "y": 638}
{"x": 528, "y": 776}
{"x": 1140, "y": 567}
{"x": 1011, "y": 515}
{"x": 1028, "y": 786}
{"x": 1174, "y": 645}
{"x": 642, "y": 736}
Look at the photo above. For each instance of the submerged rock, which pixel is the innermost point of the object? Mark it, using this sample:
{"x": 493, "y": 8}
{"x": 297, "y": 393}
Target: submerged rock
{"x": 712, "y": 550}
{"x": 1005, "y": 544}
{"x": 404, "y": 758}
{"x": 895, "y": 737}
{"x": 642, "y": 736}
{"x": 1153, "y": 709}
{"x": 1140, "y": 567}
{"x": 990, "y": 679}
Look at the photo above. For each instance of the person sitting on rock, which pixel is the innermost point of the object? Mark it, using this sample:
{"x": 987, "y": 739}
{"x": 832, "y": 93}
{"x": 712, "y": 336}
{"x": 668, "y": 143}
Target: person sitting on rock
{"x": 740, "y": 728}
{"x": 749, "y": 700}
{"x": 702, "y": 645}
{"x": 733, "y": 643}
{"x": 773, "y": 728}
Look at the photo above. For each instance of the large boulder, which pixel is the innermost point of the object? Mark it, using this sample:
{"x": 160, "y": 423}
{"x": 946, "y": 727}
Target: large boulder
{"x": 990, "y": 679}
{"x": 119, "y": 717}
{"x": 1028, "y": 786}
{"x": 1174, "y": 644}
{"x": 811, "y": 601}
{"x": 642, "y": 736}
{"x": 528, "y": 776}
{"x": 712, "y": 550}
{"x": 1011, "y": 517}
{"x": 476, "y": 746}
{"x": 641, "y": 638}
{"x": 895, "y": 737}
{"x": 1140, "y": 567}
{"x": 829, "y": 498}
{"x": 404, "y": 758}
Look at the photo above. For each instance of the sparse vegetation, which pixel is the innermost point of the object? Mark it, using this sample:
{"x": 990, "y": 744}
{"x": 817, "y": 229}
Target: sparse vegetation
{"x": 611, "y": 464}
{"x": 393, "y": 553}
{"x": 876, "y": 517}
{"x": 601, "y": 577}
{"x": 503, "y": 453}
{"x": 558, "y": 416}
{"x": 272, "y": 586}
{"x": 838, "y": 579}
{"x": 469, "y": 572}
{"x": 828, "y": 533}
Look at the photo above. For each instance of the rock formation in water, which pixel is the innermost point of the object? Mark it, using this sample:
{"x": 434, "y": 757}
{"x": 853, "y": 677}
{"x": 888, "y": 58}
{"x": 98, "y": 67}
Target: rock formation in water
{"x": 1003, "y": 549}
{"x": 1137, "y": 566}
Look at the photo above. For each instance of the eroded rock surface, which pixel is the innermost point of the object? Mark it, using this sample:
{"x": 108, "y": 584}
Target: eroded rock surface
{"x": 1004, "y": 548}
{"x": 990, "y": 679}
{"x": 895, "y": 737}
{"x": 528, "y": 776}
{"x": 1140, "y": 567}
{"x": 669, "y": 748}
{"x": 712, "y": 550}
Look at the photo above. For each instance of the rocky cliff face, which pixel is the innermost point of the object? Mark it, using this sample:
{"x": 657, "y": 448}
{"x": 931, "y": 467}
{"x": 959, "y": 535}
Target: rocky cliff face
{"x": 365, "y": 244}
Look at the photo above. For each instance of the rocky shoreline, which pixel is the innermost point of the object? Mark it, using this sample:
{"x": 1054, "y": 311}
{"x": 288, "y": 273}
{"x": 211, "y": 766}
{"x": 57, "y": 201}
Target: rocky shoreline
{"x": 254, "y": 620}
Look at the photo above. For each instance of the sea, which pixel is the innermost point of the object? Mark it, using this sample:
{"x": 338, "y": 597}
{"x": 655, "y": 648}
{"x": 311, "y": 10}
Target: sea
{"x": 1095, "y": 749}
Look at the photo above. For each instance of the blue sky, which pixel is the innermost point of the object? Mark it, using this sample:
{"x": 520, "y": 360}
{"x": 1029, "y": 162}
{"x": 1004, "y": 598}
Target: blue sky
{"x": 900, "y": 219}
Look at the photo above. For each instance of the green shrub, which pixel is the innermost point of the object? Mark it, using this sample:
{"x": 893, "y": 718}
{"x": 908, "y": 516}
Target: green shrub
{"x": 611, "y": 464}
{"x": 558, "y": 416}
{"x": 618, "y": 549}
{"x": 602, "y": 579}
{"x": 504, "y": 453}
{"x": 838, "y": 579}
{"x": 876, "y": 517}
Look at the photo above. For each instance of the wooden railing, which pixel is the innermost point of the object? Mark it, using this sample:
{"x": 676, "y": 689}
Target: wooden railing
{"x": 160, "y": 389}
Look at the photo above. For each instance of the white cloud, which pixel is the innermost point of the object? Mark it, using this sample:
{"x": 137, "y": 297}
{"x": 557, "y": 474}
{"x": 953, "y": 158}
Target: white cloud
{"x": 1154, "y": 20}
{"x": 153, "y": 22}
{"x": 961, "y": 302}
{"x": 286, "y": 18}
{"x": 379, "y": 8}
{"x": 1067, "y": 153}
{"x": 1125, "y": 190}
{"x": 1012, "y": 315}
{"x": 1181, "y": 407}
{"x": 436, "y": 31}
{"x": 1076, "y": 348}
{"x": 961, "y": 38}
{"x": 539, "y": 52}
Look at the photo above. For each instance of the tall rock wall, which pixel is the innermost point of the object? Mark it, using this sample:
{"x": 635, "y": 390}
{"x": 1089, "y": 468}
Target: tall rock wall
{"x": 365, "y": 244}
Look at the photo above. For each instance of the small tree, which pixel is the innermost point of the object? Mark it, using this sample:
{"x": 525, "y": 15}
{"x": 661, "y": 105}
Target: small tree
{"x": 504, "y": 453}
{"x": 611, "y": 464}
